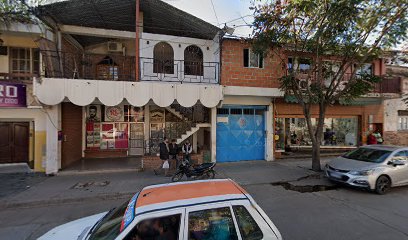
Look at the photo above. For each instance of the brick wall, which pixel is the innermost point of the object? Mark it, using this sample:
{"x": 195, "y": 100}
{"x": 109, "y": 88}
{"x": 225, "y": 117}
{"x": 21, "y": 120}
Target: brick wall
{"x": 399, "y": 138}
{"x": 233, "y": 72}
{"x": 72, "y": 131}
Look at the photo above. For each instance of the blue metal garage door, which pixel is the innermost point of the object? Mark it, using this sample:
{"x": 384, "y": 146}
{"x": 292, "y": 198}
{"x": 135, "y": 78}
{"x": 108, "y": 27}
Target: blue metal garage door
{"x": 240, "y": 133}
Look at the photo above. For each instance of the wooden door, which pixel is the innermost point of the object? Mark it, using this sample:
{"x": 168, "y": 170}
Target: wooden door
{"x": 20, "y": 142}
{"x": 5, "y": 143}
{"x": 14, "y": 143}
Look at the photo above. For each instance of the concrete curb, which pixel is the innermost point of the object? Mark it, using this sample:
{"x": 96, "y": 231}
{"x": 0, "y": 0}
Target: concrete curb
{"x": 44, "y": 203}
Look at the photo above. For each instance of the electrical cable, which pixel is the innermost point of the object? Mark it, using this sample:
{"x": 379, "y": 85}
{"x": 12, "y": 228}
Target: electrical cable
{"x": 215, "y": 12}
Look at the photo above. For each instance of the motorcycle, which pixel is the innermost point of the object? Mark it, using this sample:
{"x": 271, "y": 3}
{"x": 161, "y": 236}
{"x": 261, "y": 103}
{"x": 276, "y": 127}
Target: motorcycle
{"x": 203, "y": 171}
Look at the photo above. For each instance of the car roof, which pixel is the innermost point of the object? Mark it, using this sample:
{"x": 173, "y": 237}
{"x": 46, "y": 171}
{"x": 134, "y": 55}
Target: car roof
{"x": 173, "y": 195}
{"x": 385, "y": 147}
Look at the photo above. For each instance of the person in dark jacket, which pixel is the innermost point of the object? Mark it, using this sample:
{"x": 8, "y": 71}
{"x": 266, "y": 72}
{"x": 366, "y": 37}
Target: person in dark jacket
{"x": 173, "y": 151}
{"x": 164, "y": 156}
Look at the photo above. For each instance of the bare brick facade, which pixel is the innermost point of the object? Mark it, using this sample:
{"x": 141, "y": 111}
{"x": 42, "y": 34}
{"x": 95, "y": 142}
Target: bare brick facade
{"x": 233, "y": 72}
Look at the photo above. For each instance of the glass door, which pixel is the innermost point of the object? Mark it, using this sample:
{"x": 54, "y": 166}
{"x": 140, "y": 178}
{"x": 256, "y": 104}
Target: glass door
{"x": 136, "y": 139}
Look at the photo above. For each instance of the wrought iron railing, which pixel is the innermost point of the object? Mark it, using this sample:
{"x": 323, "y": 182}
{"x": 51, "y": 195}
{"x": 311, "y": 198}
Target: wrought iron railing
{"x": 175, "y": 130}
{"x": 179, "y": 71}
{"x": 389, "y": 85}
{"x": 114, "y": 67}
{"x": 198, "y": 113}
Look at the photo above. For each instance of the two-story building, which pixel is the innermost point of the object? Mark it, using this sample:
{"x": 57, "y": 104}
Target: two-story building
{"x": 125, "y": 74}
{"x": 396, "y": 110}
{"x": 28, "y": 129}
{"x": 345, "y": 127}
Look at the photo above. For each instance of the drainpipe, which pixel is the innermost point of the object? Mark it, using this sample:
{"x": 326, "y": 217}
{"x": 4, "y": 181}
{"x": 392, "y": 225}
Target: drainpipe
{"x": 137, "y": 42}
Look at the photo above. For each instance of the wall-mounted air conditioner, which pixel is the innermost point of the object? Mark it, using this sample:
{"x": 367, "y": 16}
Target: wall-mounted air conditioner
{"x": 115, "y": 47}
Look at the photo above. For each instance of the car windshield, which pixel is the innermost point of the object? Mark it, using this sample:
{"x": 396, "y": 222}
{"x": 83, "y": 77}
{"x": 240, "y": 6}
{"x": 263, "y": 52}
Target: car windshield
{"x": 368, "y": 155}
{"x": 109, "y": 226}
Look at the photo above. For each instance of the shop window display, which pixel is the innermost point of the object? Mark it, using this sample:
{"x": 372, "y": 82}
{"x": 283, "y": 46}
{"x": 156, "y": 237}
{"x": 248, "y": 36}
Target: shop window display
{"x": 111, "y": 129}
{"x": 337, "y": 132}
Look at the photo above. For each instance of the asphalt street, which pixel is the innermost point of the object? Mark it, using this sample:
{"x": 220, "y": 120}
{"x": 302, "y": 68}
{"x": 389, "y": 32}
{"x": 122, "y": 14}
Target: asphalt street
{"x": 342, "y": 213}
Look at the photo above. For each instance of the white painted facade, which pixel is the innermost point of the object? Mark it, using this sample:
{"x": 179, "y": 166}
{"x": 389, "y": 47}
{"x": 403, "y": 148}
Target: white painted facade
{"x": 211, "y": 58}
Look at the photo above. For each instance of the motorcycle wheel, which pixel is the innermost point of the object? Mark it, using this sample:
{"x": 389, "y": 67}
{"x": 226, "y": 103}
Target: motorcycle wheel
{"x": 177, "y": 176}
{"x": 210, "y": 174}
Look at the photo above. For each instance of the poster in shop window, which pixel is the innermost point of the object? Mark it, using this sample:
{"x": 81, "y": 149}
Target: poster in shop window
{"x": 114, "y": 114}
{"x": 93, "y": 113}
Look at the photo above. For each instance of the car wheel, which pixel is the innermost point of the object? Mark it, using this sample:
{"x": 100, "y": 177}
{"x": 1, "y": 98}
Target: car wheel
{"x": 177, "y": 176}
{"x": 382, "y": 185}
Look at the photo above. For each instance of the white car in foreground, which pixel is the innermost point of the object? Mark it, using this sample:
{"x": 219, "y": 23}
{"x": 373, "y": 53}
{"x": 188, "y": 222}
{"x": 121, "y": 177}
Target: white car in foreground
{"x": 209, "y": 209}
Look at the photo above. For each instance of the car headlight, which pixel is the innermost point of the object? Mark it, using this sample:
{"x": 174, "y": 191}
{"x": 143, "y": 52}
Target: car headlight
{"x": 362, "y": 173}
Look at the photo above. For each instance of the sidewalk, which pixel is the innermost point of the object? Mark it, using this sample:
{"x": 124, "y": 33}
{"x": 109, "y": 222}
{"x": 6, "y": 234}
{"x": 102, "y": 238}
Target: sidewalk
{"x": 117, "y": 185}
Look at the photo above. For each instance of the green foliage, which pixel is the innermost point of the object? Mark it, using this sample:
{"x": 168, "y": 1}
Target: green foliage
{"x": 349, "y": 32}
{"x": 338, "y": 36}
{"x": 17, "y": 11}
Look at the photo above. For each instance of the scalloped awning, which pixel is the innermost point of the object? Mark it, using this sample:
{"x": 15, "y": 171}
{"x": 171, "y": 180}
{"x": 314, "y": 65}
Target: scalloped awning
{"x": 52, "y": 91}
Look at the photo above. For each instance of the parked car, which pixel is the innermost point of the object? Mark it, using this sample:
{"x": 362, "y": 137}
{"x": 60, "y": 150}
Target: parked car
{"x": 207, "y": 209}
{"x": 375, "y": 167}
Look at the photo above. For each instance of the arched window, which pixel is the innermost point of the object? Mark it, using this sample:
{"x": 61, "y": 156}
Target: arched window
{"x": 193, "y": 61}
{"x": 163, "y": 58}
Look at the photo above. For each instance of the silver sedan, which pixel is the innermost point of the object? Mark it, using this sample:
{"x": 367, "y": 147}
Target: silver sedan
{"x": 375, "y": 167}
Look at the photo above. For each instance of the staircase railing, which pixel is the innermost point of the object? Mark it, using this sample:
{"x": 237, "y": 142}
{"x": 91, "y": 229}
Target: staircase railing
{"x": 174, "y": 130}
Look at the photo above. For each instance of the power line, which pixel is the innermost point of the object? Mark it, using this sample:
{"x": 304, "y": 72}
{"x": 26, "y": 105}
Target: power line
{"x": 215, "y": 12}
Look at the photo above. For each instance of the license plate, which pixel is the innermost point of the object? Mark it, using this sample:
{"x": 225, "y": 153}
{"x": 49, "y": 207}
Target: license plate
{"x": 335, "y": 175}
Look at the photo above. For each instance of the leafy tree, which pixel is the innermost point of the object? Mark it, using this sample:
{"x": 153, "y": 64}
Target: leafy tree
{"x": 348, "y": 32}
{"x": 17, "y": 11}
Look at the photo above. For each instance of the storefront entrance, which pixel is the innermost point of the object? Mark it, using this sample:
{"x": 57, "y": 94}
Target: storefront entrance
{"x": 14, "y": 142}
{"x": 240, "y": 133}
{"x": 136, "y": 139}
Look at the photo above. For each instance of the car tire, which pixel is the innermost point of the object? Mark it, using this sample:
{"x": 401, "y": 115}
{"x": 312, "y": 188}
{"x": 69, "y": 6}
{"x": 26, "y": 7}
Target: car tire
{"x": 382, "y": 185}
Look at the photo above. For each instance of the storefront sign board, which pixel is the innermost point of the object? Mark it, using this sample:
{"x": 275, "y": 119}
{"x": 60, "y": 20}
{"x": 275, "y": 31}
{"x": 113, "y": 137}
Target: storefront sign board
{"x": 13, "y": 95}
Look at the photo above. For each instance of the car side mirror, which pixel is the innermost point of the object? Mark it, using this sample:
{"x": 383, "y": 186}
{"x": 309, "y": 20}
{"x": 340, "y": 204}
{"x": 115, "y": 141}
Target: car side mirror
{"x": 396, "y": 162}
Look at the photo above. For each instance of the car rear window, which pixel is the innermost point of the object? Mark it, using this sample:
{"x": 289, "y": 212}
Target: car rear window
{"x": 368, "y": 155}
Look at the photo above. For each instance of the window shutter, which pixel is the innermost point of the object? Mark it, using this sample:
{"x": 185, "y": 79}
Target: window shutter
{"x": 246, "y": 57}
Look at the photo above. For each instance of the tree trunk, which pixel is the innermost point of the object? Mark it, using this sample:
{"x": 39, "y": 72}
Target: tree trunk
{"x": 318, "y": 136}
{"x": 316, "y": 158}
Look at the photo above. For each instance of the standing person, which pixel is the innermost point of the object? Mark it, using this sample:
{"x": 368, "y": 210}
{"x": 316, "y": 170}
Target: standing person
{"x": 378, "y": 136}
{"x": 371, "y": 139}
{"x": 173, "y": 151}
{"x": 164, "y": 156}
{"x": 187, "y": 150}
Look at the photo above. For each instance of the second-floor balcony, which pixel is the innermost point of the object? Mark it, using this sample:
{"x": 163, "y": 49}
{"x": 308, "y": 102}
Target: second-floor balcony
{"x": 388, "y": 85}
{"x": 112, "y": 67}
{"x": 116, "y": 67}
{"x": 179, "y": 71}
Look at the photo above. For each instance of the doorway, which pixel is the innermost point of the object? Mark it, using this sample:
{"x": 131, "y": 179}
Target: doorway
{"x": 14, "y": 142}
{"x": 136, "y": 139}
